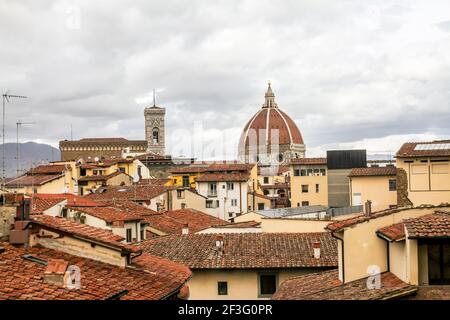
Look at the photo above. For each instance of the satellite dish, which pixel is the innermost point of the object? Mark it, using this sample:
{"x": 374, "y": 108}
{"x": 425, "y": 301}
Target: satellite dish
{"x": 136, "y": 178}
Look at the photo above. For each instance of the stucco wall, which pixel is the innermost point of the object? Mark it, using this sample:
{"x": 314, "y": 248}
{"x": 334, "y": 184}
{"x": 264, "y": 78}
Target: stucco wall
{"x": 313, "y": 197}
{"x": 428, "y": 182}
{"x": 242, "y": 284}
{"x": 292, "y": 225}
{"x": 363, "y": 248}
{"x": 375, "y": 189}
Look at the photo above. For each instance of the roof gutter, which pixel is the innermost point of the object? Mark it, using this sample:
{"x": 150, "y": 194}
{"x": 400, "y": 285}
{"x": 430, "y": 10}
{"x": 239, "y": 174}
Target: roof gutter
{"x": 171, "y": 294}
{"x": 343, "y": 256}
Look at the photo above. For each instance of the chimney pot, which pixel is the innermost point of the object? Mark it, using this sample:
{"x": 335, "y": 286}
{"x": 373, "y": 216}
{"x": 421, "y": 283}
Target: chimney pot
{"x": 368, "y": 208}
{"x": 185, "y": 229}
{"x": 219, "y": 241}
{"x": 316, "y": 248}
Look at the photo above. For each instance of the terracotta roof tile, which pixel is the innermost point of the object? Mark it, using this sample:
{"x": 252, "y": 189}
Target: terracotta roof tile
{"x": 83, "y": 230}
{"x": 32, "y": 180}
{"x": 102, "y": 177}
{"x": 232, "y": 177}
{"x": 243, "y": 224}
{"x": 309, "y": 161}
{"x": 246, "y": 250}
{"x": 109, "y": 214}
{"x": 172, "y": 222}
{"x": 214, "y": 167}
{"x": 49, "y": 169}
{"x": 39, "y": 205}
{"x": 326, "y": 286}
{"x": 436, "y": 225}
{"x": 134, "y": 192}
{"x": 72, "y": 199}
{"x": 393, "y": 232}
{"x": 148, "y": 278}
{"x": 342, "y": 224}
{"x": 373, "y": 171}
{"x": 408, "y": 150}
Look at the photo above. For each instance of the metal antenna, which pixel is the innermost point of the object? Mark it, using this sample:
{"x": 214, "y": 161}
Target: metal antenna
{"x": 154, "y": 97}
{"x": 6, "y": 97}
{"x": 18, "y": 124}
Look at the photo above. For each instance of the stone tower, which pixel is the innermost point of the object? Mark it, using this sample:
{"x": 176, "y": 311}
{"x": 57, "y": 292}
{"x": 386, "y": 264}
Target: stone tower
{"x": 155, "y": 129}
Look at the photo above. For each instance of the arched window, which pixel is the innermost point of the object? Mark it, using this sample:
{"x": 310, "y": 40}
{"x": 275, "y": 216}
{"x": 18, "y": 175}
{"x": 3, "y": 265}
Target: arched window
{"x": 155, "y": 135}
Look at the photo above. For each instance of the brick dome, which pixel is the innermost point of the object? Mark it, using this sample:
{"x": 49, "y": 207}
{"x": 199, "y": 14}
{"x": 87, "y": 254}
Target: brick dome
{"x": 264, "y": 123}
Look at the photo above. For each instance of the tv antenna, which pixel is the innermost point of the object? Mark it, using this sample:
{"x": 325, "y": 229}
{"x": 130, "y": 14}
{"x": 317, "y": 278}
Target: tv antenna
{"x": 6, "y": 97}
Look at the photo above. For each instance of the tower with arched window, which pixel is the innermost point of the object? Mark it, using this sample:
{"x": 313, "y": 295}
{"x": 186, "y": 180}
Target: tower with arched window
{"x": 155, "y": 129}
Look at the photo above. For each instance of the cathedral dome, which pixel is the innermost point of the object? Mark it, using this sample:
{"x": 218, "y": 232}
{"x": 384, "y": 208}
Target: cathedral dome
{"x": 267, "y": 126}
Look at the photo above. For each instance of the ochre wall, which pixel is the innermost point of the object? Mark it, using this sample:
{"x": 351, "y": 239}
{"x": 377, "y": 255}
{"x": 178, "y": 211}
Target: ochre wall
{"x": 375, "y": 189}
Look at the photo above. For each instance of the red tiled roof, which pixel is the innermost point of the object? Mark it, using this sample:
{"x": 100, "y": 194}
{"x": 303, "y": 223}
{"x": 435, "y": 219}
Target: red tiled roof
{"x": 246, "y": 250}
{"x": 32, "y": 180}
{"x": 134, "y": 192}
{"x": 407, "y": 150}
{"x": 82, "y": 230}
{"x": 240, "y": 177}
{"x": 172, "y": 222}
{"x": 373, "y": 171}
{"x": 309, "y": 161}
{"x": 436, "y": 225}
{"x": 393, "y": 232}
{"x": 39, "y": 205}
{"x": 148, "y": 278}
{"x": 102, "y": 177}
{"x": 326, "y": 286}
{"x": 72, "y": 199}
{"x": 154, "y": 181}
{"x": 213, "y": 167}
{"x": 49, "y": 169}
{"x": 243, "y": 224}
{"x": 109, "y": 214}
{"x": 132, "y": 207}
{"x": 342, "y": 224}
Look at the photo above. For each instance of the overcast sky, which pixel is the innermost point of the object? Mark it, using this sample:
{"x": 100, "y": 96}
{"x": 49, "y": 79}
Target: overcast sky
{"x": 352, "y": 74}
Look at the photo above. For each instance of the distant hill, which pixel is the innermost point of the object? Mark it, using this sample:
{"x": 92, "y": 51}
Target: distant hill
{"x": 30, "y": 154}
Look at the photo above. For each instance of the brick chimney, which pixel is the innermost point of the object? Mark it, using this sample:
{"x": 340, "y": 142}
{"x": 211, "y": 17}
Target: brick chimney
{"x": 185, "y": 229}
{"x": 55, "y": 271}
{"x": 219, "y": 242}
{"x": 316, "y": 248}
{"x": 368, "y": 208}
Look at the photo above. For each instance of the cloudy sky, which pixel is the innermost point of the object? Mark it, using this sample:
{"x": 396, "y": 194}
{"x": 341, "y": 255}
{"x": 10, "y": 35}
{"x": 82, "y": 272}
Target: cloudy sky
{"x": 352, "y": 74}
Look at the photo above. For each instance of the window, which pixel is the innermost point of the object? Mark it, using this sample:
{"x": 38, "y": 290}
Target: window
{"x": 186, "y": 181}
{"x": 222, "y": 288}
{"x": 142, "y": 234}
{"x": 230, "y": 214}
{"x": 64, "y": 213}
{"x": 209, "y": 203}
{"x": 180, "y": 194}
{"x": 357, "y": 199}
{"x": 212, "y": 190}
{"x": 305, "y": 203}
{"x": 122, "y": 170}
{"x": 82, "y": 172}
{"x": 303, "y": 172}
{"x": 174, "y": 181}
{"x": 217, "y": 203}
{"x": 309, "y": 172}
{"x": 94, "y": 172}
{"x": 139, "y": 171}
{"x": 155, "y": 135}
{"x": 230, "y": 185}
{"x": 304, "y": 188}
{"x": 267, "y": 284}
{"x": 261, "y": 206}
{"x": 323, "y": 172}
{"x": 439, "y": 263}
{"x": 129, "y": 235}
{"x": 296, "y": 172}
{"x": 234, "y": 202}
{"x": 317, "y": 188}
{"x": 392, "y": 185}
{"x": 266, "y": 179}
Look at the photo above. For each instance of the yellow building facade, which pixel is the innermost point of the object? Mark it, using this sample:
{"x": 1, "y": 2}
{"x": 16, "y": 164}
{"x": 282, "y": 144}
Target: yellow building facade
{"x": 309, "y": 184}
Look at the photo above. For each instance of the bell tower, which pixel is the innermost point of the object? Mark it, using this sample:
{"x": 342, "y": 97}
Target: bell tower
{"x": 155, "y": 129}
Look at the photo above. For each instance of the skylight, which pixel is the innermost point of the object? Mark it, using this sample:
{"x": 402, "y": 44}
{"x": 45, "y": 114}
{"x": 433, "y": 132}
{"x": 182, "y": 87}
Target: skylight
{"x": 433, "y": 146}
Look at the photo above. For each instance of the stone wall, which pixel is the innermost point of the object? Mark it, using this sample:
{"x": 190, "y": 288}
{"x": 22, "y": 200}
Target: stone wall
{"x": 7, "y": 215}
{"x": 402, "y": 188}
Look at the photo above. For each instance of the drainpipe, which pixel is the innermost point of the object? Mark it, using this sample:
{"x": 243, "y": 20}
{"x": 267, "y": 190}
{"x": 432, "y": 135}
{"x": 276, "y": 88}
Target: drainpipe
{"x": 343, "y": 256}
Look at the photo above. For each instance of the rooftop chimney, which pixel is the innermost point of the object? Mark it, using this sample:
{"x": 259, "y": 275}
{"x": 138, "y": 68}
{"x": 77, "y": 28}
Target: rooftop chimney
{"x": 316, "y": 247}
{"x": 219, "y": 242}
{"x": 368, "y": 207}
{"x": 55, "y": 271}
{"x": 185, "y": 229}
